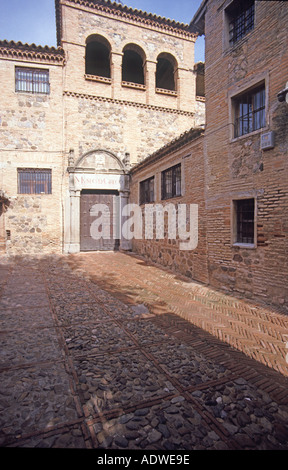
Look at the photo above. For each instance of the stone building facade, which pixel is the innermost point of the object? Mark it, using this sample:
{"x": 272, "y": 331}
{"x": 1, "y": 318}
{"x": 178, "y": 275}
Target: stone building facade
{"x": 120, "y": 84}
{"x": 242, "y": 170}
{"x": 113, "y": 116}
{"x": 246, "y": 146}
{"x": 31, "y": 139}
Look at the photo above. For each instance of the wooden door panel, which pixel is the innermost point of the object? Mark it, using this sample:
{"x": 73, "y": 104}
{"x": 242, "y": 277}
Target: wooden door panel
{"x": 89, "y": 213}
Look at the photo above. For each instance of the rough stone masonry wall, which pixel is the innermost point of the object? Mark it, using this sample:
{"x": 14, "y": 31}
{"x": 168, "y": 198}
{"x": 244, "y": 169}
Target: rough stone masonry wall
{"x": 121, "y": 118}
{"x": 166, "y": 252}
{"x": 31, "y": 137}
{"x": 237, "y": 168}
{"x": 98, "y": 124}
{"x": 33, "y": 227}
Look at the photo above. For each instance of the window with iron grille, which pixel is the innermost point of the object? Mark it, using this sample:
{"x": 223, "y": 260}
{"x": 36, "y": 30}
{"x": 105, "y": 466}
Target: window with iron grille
{"x": 34, "y": 181}
{"x": 147, "y": 190}
{"x": 245, "y": 220}
{"x": 249, "y": 111}
{"x": 171, "y": 182}
{"x": 32, "y": 80}
{"x": 241, "y": 19}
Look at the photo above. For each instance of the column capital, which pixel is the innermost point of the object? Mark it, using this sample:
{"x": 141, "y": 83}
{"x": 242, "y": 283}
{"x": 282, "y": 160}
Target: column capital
{"x": 116, "y": 54}
{"x": 149, "y": 61}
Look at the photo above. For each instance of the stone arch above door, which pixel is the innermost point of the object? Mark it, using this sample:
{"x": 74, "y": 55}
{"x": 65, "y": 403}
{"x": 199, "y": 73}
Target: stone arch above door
{"x": 101, "y": 161}
{"x": 99, "y": 170}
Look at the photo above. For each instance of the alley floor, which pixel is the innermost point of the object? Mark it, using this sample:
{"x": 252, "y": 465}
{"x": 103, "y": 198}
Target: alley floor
{"x": 107, "y": 351}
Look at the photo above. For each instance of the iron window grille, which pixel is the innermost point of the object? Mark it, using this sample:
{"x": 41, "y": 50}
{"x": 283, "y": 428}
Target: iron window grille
{"x": 241, "y": 19}
{"x": 32, "y": 80}
{"x": 245, "y": 210}
{"x": 249, "y": 112}
{"x": 147, "y": 190}
{"x": 34, "y": 181}
{"x": 171, "y": 182}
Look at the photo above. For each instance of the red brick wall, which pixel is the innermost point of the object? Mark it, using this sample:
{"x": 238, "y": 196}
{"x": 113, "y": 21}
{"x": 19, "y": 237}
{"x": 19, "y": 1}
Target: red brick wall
{"x": 222, "y": 168}
{"x": 238, "y": 167}
{"x": 192, "y": 263}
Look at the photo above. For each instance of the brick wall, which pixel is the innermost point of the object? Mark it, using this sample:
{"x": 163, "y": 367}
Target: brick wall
{"x": 237, "y": 167}
{"x": 85, "y": 113}
{"x": 31, "y": 137}
{"x": 187, "y": 151}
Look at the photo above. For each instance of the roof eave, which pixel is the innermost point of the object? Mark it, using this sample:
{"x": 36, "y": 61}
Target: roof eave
{"x": 126, "y": 12}
{"x": 58, "y": 22}
{"x": 172, "y": 146}
{"x": 197, "y": 23}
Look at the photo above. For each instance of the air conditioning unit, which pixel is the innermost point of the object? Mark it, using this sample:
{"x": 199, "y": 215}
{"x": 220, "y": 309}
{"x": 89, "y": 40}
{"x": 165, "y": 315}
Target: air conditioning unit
{"x": 267, "y": 140}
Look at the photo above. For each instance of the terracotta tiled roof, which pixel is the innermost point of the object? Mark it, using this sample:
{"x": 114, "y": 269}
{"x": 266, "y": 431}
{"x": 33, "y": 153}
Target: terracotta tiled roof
{"x": 126, "y": 12}
{"x": 175, "y": 144}
{"x": 31, "y": 51}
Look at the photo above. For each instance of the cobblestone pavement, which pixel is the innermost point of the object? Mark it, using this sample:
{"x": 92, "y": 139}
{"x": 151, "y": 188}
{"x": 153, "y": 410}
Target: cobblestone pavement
{"x": 92, "y": 362}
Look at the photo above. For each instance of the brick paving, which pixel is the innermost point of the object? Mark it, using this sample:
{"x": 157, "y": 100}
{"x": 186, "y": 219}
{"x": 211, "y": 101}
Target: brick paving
{"x": 103, "y": 350}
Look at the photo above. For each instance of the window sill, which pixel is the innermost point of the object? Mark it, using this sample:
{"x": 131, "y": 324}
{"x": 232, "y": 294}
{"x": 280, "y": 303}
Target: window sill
{"x": 171, "y": 197}
{"x": 96, "y": 78}
{"x": 232, "y": 48}
{"x": 248, "y": 246}
{"x": 137, "y": 86}
{"x": 35, "y": 194}
{"x": 142, "y": 204}
{"x": 163, "y": 91}
{"x": 33, "y": 93}
{"x": 250, "y": 134}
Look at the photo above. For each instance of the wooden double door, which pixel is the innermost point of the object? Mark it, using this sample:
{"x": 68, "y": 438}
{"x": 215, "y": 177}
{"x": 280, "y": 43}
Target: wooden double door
{"x": 98, "y": 220}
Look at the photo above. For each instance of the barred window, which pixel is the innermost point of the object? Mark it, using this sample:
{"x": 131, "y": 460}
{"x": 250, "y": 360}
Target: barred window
{"x": 241, "y": 19}
{"x": 249, "y": 111}
{"x": 171, "y": 182}
{"x": 147, "y": 190}
{"x": 245, "y": 219}
{"x": 34, "y": 181}
{"x": 32, "y": 80}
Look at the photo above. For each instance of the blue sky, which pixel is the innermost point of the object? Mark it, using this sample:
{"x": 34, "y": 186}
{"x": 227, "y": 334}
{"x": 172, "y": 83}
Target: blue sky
{"x": 33, "y": 21}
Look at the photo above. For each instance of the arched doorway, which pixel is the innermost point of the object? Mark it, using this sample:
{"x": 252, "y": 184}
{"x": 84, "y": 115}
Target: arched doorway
{"x": 98, "y": 190}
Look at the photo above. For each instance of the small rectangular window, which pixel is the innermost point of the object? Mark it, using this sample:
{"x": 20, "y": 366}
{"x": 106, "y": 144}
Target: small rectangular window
{"x": 171, "y": 182}
{"x": 32, "y": 80}
{"x": 147, "y": 190}
{"x": 240, "y": 18}
{"x": 245, "y": 221}
{"x": 249, "y": 111}
{"x": 34, "y": 181}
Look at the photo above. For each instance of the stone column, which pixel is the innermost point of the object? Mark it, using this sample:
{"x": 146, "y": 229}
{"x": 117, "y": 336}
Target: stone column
{"x": 150, "y": 68}
{"x": 125, "y": 244}
{"x": 116, "y": 75}
{"x": 2, "y": 228}
{"x": 186, "y": 89}
{"x": 74, "y": 246}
